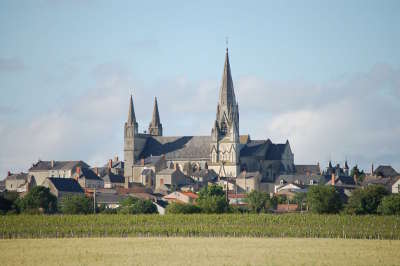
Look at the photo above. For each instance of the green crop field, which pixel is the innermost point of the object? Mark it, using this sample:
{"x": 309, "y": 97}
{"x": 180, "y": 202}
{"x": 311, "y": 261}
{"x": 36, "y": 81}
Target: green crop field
{"x": 200, "y": 225}
{"x": 199, "y": 251}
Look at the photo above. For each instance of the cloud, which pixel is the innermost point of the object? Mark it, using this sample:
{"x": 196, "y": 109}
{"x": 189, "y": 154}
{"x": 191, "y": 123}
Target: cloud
{"x": 11, "y": 64}
{"x": 354, "y": 117}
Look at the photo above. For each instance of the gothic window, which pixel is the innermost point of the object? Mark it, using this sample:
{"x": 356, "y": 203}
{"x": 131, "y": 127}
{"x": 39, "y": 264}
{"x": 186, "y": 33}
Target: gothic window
{"x": 224, "y": 128}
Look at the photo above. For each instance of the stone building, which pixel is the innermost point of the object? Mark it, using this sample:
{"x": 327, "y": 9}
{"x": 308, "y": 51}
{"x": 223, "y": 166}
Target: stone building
{"x": 225, "y": 151}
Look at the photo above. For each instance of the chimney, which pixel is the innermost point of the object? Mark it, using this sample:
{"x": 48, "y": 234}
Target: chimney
{"x": 333, "y": 179}
{"x": 8, "y": 173}
{"x": 78, "y": 170}
{"x": 355, "y": 178}
{"x": 97, "y": 171}
{"x": 142, "y": 161}
{"x": 110, "y": 164}
{"x": 52, "y": 163}
{"x": 372, "y": 169}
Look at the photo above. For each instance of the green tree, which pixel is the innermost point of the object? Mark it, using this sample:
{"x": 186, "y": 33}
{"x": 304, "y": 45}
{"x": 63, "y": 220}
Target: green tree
{"x": 77, "y": 204}
{"x": 38, "y": 200}
{"x": 131, "y": 205}
{"x": 390, "y": 205}
{"x": 182, "y": 208}
{"x": 7, "y": 202}
{"x": 257, "y": 201}
{"x": 359, "y": 174}
{"x": 212, "y": 200}
{"x": 324, "y": 199}
{"x": 366, "y": 200}
{"x": 300, "y": 198}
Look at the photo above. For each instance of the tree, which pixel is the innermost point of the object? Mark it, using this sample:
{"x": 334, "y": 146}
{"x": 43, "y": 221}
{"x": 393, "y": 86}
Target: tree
{"x": 300, "y": 198}
{"x": 360, "y": 175}
{"x": 132, "y": 205}
{"x": 257, "y": 201}
{"x": 182, "y": 208}
{"x": 77, "y": 204}
{"x": 38, "y": 200}
{"x": 212, "y": 200}
{"x": 7, "y": 202}
{"x": 390, "y": 205}
{"x": 324, "y": 199}
{"x": 366, "y": 200}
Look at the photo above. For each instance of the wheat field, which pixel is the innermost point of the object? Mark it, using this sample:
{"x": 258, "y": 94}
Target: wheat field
{"x": 199, "y": 251}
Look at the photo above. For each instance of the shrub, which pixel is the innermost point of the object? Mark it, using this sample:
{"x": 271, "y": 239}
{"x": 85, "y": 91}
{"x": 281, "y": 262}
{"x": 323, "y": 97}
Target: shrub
{"x": 38, "y": 200}
{"x": 182, "y": 208}
{"x": 324, "y": 199}
{"x": 77, "y": 204}
{"x": 133, "y": 205}
{"x": 366, "y": 200}
{"x": 390, "y": 205}
{"x": 212, "y": 200}
{"x": 257, "y": 201}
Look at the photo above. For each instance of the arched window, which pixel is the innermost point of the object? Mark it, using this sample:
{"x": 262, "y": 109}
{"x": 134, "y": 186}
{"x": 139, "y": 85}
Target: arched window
{"x": 224, "y": 128}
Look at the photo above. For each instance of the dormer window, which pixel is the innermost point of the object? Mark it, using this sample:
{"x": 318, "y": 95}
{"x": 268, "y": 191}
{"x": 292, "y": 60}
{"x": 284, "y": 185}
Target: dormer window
{"x": 311, "y": 182}
{"x": 282, "y": 181}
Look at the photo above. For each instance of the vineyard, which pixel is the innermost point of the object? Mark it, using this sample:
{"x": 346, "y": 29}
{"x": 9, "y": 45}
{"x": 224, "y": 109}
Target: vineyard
{"x": 200, "y": 225}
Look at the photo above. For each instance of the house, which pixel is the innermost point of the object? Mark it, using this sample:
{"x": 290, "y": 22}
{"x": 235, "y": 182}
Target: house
{"x": 237, "y": 199}
{"x": 140, "y": 172}
{"x": 112, "y": 180}
{"x": 391, "y": 184}
{"x": 202, "y": 177}
{"x": 115, "y": 166}
{"x": 63, "y": 187}
{"x": 62, "y": 169}
{"x": 248, "y": 181}
{"x": 299, "y": 179}
{"x": 21, "y": 182}
{"x": 148, "y": 177}
{"x": 184, "y": 197}
{"x": 2, "y": 185}
{"x": 109, "y": 200}
{"x": 385, "y": 171}
{"x": 88, "y": 179}
{"x": 171, "y": 176}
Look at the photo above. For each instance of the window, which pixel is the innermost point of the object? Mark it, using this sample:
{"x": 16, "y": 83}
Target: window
{"x": 161, "y": 181}
{"x": 281, "y": 182}
{"x": 311, "y": 182}
{"x": 224, "y": 129}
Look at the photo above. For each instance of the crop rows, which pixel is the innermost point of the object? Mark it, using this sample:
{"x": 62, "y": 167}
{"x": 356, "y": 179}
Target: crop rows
{"x": 200, "y": 225}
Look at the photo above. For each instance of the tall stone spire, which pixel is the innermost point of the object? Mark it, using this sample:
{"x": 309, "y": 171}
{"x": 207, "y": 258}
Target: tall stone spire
{"x": 155, "y": 127}
{"x": 131, "y": 112}
{"x": 227, "y": 93}
{"x": 227, "y": 118}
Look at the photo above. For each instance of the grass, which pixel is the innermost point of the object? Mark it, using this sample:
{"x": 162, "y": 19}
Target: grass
{"x": 199, "y": 251}
{"x": 201, "y": 225}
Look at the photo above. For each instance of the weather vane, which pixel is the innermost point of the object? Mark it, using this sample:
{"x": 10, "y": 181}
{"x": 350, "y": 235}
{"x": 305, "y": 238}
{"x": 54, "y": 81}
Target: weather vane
{"x": 226, "y": 42}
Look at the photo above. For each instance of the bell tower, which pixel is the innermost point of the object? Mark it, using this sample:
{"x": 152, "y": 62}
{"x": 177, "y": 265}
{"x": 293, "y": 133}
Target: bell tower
{"x": 225, "y": 133}
{"x": 130, "y": 132}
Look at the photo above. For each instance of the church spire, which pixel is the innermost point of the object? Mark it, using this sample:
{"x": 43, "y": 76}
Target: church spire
{"x": 131, "y": 112}
{"x": 227, "y": 93}
{"x": 155, "y": 127}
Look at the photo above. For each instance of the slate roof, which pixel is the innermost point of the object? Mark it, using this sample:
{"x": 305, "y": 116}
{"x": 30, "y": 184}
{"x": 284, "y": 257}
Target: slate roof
{"x": 147, "y": 171}
{"x": 385, "y": 171}
{"x": 249, "y": 175}
{"x": 113, "y": 178}
{"x": 303, "y": 169}
{"x": 303, "y": 179}
{"x": 209, "y": 173}
{"x": 66, "y": 184}
{"x": 58, "y": 165}
{"x": 152, "y": 160}
{"x": 186, "y": 147}
{"x": 108, "y": 198}
{"x": 263, "y": 148}
{"x": 20, "y": 176}
{"x": 88, "y": 174}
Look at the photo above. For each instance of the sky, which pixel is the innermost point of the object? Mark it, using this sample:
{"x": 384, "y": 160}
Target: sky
{"x": 324, "y": 75}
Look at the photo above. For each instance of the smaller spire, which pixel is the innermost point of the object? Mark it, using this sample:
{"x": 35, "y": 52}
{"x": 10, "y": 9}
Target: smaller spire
{"x": 155, "y": 127}
{"x": 131, "y": 112}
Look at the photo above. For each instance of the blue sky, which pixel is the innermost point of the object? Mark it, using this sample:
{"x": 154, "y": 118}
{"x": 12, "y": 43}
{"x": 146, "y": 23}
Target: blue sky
{"x": 293, "y": 62}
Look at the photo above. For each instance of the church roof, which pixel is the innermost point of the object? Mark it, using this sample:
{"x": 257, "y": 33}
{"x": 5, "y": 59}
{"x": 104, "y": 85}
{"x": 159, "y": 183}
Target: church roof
{"x": 57, "y": 165}
{"x": 264, "y": 148}
{"x": 178, "y": 148}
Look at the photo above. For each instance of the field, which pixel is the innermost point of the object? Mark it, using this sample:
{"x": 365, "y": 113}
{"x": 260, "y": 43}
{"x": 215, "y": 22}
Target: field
{"x": 199, "y": 251}
{"x": 200, "y": 225}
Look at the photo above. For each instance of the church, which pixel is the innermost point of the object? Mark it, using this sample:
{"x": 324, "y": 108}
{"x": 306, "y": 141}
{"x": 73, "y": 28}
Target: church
{"x": 225, "y": 151}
